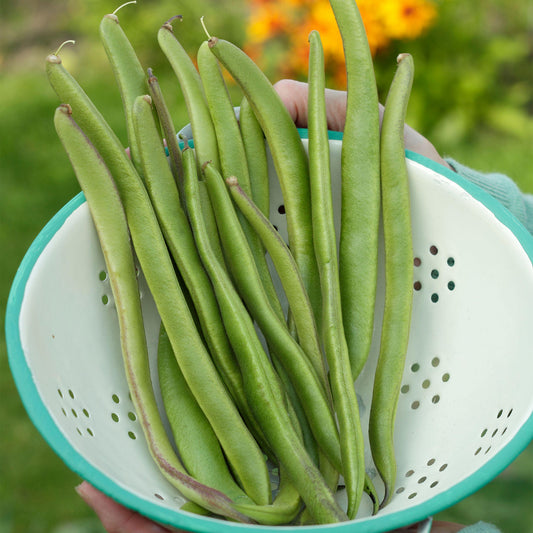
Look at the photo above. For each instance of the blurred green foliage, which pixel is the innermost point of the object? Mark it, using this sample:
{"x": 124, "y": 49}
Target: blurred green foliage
{"x": 473, "y": 72}
{"x": 472, "y": 97}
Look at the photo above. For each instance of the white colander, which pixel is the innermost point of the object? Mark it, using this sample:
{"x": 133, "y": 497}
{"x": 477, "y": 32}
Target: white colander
{"x": 466, "y": 404}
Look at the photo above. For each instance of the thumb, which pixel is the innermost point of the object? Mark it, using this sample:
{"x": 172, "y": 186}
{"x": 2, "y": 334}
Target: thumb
{"x": 294, "y": 95}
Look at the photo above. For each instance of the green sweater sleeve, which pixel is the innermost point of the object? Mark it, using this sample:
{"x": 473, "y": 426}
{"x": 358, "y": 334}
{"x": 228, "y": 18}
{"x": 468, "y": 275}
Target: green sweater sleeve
{"x": 480, "y": 527}
{"x": 503, "y": 189}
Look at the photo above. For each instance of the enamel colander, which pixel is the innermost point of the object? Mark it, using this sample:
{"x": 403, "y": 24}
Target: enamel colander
{"x": 466, "y": 402}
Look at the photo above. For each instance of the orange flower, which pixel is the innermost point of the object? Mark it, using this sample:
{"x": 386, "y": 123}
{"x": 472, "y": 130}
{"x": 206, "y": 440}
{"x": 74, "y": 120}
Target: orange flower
{"x": 279, "y": 28}
{"x": 267, "y": 20}
{"x": 406, "y": 19}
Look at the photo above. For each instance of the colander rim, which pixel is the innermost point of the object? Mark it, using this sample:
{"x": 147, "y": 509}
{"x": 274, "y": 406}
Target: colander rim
{"x": 44, "y": 423}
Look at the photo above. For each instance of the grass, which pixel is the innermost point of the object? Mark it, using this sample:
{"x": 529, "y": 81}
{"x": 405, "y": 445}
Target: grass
{"x": 36, "y": 490}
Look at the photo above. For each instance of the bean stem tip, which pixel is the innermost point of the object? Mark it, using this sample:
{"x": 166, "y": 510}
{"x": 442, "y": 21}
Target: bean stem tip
{"x": 121, "y": 6}
{"x": 205, "y": 28}
{"x": 54, "y": 58}
{"x": 232, "y": 181}
{"x": 401, "y": 57}
{"x": 168, "y": 24}
{"x": 65, "y": 108}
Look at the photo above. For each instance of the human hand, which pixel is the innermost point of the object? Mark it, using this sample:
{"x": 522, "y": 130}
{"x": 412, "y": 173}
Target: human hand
{"x": 114, "y": 517}
{"x": 294, "y": 95}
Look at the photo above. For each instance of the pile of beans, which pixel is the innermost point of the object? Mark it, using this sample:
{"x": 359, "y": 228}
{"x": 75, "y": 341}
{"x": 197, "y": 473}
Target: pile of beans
{"x": 195, "y": 219}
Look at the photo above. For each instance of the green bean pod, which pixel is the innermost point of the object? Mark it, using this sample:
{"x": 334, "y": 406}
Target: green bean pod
{"x": 324, "y": 238}
{"x": 195, "y": 440}
{"x": 290, "y": 159}
{"x": 261, "y": 384}
{"x": 110, "y": 221}
{"x": 398, "y": 276}
{"x": 256, "y": 156}
{"x": 157, "y": 266}
{"x": 306, "y": 382}
{"x": 211, "y": 312}
{"x": 232, "y": 153}
{"x": 360, "y": 186}
{"x": 284, "y": 509}
{"x": 203, "y": 131}
{"x": 231, "y": 148}
{"x": 289, "y": 275}
{"x": 128, "y": 71}
{"x": 169, "y": 131}
{"x": 165, "y": 198}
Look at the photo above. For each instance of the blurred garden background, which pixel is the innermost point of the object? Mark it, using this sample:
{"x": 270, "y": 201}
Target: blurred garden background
{"x": 472, "y": 97}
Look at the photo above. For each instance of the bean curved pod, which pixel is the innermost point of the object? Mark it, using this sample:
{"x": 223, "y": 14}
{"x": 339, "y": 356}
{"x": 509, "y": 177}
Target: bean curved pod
{"x": 204, "y": 135}
{"x": 290, "y": 277}
{"x": 169, "y": 131}
{"x": 324, "y": 238}
{"x": 110, "y": 221}
{"x": 261, "y": 384}
{"x": 128, "y": 71}
{"x": 256, "y": 156}
{"x": 290, "y": 159}
{"x": 360, "y": 186}
{"x": 157, "y": 266}
{"x": 307, "y": 384}
{"x": 232, "y": 154}
{"x": 166, "y": 200}
{"x": 195, "y": 440}
{"x": 398, "y": 275}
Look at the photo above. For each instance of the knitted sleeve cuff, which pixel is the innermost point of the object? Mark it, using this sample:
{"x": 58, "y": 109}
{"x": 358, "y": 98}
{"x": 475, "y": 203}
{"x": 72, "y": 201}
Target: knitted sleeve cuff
{"x": 503, "y": 189}
{"x": 480, "y": 527}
